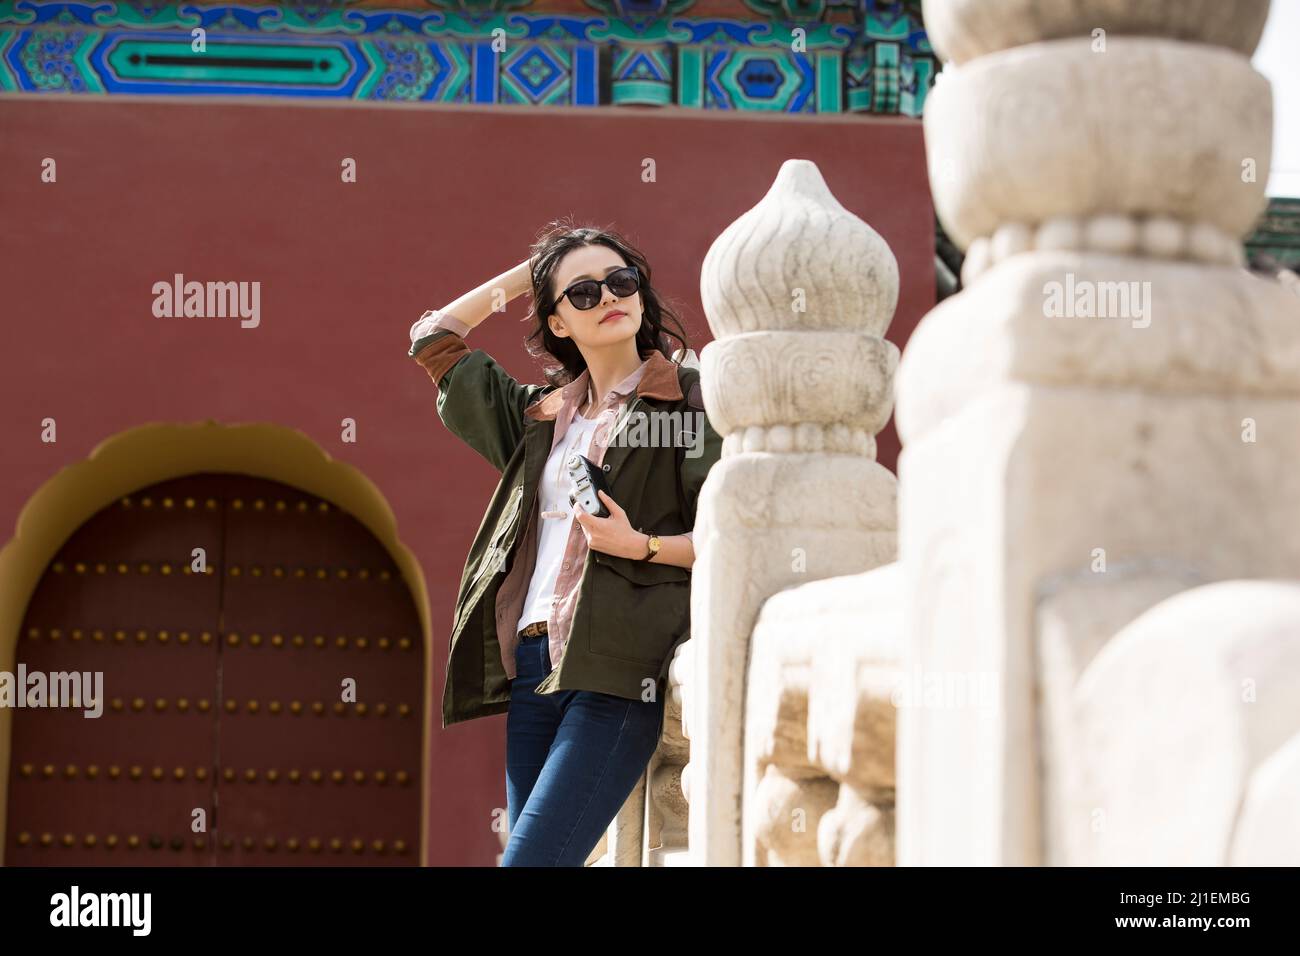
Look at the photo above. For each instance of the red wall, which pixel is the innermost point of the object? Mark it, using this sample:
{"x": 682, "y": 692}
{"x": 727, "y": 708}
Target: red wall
{"x": 446, "y": 198}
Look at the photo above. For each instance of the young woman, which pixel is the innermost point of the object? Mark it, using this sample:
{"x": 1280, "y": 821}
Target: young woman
{"x": 567, "y": 620}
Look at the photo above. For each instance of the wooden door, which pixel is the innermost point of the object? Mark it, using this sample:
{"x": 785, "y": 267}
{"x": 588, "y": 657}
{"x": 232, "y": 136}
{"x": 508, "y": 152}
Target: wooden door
{"x": 226, "y": 692}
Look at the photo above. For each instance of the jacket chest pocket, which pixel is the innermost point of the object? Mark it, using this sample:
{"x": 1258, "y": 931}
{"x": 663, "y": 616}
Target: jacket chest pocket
{"x": 494, "y": 554}
{"x": 638, "y": 608}
{"x": 508, "y": 517}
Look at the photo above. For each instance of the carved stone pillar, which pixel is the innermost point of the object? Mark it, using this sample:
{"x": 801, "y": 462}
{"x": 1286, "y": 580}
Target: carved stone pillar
{"x": 1106, "y": 416}
{"x": 798, "y": 292}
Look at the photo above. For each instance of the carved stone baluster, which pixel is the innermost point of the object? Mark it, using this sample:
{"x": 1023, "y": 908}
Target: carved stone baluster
{"x": 1074, "y": 424}
{"x": 798, "y": 292}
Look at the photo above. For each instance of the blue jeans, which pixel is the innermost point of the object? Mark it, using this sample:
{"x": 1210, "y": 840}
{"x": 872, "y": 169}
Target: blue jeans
{"x": 572, "y": 759}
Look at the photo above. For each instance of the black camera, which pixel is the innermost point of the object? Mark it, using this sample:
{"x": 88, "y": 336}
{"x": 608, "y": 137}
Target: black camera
{"x": 588, "y": 478}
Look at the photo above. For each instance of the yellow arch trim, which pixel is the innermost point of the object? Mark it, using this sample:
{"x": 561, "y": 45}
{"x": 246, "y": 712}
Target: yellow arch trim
{"x": 147, "y": 454}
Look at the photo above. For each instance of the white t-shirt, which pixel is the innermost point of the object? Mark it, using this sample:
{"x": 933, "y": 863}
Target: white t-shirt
{"x": 553, "y": 495}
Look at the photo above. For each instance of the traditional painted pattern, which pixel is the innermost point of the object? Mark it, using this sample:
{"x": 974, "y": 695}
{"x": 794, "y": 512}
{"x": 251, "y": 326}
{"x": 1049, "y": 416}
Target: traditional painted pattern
{"x": 792, "y": 56}
{"x": 1275, "y": 243}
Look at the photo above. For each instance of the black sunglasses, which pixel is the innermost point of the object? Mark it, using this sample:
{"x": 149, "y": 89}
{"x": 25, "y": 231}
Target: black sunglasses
{"x": 585, "y": 293}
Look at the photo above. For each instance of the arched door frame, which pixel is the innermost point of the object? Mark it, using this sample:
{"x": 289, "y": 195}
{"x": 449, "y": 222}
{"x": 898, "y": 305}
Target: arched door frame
{"x": 147, "y": 454}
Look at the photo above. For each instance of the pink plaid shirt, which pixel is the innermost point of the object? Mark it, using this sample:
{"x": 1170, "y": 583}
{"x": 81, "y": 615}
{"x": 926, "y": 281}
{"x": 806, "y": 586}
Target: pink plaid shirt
{"x": 514, "y": 589}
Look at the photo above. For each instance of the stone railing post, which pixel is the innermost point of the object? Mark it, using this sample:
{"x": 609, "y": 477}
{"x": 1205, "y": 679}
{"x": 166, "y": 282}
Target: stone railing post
{"x": 799, "y": 379}
{"x": 1108, "y": 414}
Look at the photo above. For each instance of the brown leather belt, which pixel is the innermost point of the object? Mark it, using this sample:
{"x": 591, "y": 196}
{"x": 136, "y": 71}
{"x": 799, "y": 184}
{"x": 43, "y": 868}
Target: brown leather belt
{"x": 537, "y": 627}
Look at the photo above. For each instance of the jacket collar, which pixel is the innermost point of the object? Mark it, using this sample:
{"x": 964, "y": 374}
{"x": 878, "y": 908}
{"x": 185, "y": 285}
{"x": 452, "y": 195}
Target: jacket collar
{"x": 658, "y": 380}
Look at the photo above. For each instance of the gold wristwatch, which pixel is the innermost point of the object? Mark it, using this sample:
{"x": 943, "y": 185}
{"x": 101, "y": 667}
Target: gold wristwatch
{"x": 654, "y": 547}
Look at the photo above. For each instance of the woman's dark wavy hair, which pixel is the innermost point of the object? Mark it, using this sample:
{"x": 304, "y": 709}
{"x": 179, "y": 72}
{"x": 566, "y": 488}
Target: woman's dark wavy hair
{"x": 555, "y": 241}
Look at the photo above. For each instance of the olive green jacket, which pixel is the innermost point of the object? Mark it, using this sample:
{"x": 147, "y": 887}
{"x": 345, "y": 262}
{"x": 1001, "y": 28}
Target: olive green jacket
{"x": 630, "y": 614}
